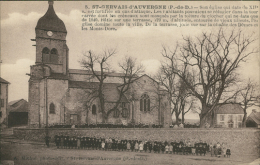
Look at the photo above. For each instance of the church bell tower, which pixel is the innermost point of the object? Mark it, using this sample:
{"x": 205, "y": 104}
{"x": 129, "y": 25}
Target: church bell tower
{"x": 51, "y": 48}
{"x": 49, "y": 76}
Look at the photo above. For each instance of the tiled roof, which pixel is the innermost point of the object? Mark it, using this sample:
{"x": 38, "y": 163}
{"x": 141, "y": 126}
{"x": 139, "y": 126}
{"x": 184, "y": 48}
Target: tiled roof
{"x": 3, "y": 81}
{"x": 229, "y": 109}
{"x": 18, "y": 106}
{"x": 110, "y": 90}
{"x": 13, "y": 102}
{"x": 255, "y": 116}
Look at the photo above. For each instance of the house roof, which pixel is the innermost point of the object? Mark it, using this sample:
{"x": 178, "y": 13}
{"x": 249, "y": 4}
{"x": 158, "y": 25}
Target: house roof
{"x": 144, "y": 75}
{"x": 110, "y": 90}
{"x": 255, "y": 116}
{"x": 18, "y": 106}
{"x": 229, "y": 109}
{"x": 3, "y": 81}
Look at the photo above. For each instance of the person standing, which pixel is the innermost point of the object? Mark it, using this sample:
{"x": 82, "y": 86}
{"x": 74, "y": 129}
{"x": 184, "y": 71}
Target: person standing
{"x": 47, "y": 140}
{"x": 62, "y": 141}
{"x": 136, "y": 146}
{"x": 78, "y": 142}
{"x": 141, "y": 146}
{"x": 128, "y": 145}
{"x": 166, "y": 148}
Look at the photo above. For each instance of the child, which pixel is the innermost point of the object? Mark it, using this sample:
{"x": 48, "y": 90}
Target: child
{"x": 166, "y": 148}
{"x": 141, "y": 146}
{"x": 211, "y": 150}
{"x": 145, "y": 146}
{"x": 170, "y": 148}
{"x": 224, "y": 149}
{"x": 106, "y": 144}
{"x": 150, "y": 145}
{"x": 193, "y": 150}
{"x": 218, "y": 150}
{"x": 103, "y": 145}
{"x": 215, "y": 150}
{"x": 128, "y": 146}
{"x": 155, "y": 147}
{"x": 136, "y": 146}
{"x": 132, "y": 145}
{"x": 162, "y": 147}
{"x": 228, "y": 152}
{"x": 78, "y": 143}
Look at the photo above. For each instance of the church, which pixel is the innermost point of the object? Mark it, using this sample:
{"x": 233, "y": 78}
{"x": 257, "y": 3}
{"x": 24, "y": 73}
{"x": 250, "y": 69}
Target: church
{"x": 59, "y": 95}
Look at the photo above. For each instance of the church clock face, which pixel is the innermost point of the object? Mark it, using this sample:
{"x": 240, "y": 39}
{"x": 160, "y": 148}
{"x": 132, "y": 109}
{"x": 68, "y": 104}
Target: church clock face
{"x": 49, "y": 33}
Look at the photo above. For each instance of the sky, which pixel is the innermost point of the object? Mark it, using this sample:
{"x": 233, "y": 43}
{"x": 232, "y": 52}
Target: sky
{"x": 19, "y": 19}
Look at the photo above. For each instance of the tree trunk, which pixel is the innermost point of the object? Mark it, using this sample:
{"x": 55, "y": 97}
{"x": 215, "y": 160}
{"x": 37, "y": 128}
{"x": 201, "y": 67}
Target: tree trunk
{"x": 182, "y": 117}
{"x": 203, "y": 116}
{"x": 177, "y": 119}
{"x": 244, "y": 120}
{"x": 203, "y": 121}
{"x": 212, "y": 124}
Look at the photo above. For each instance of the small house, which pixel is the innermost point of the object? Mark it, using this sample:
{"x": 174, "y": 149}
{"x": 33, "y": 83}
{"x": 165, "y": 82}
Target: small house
{"x": 18, "y": 113}
{"x": 253, "y": 120}
{"x": 228, "y": 116}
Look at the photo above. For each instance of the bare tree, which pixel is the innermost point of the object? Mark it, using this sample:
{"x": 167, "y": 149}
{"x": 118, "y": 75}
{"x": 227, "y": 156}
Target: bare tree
{"x": 129, "y": 68}
{"x": 247, "y": 97}
{"x": 176, "y": 89}
{"x": 89, "y": 62}
{"x": 213, "y": 59}
{"x": 130, "y": 71}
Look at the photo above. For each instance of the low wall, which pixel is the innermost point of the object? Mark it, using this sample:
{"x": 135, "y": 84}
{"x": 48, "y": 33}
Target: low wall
{"x": 240, "y": 141}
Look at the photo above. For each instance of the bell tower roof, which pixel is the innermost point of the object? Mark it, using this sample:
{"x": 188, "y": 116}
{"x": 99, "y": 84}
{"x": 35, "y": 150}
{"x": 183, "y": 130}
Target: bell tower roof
{"x": 50, "y": 21}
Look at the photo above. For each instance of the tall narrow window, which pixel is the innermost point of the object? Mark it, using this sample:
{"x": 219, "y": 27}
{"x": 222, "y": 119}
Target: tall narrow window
{"x": 145, "y": 103}
{"x": 125, "y": 112}
{"x": 45, "y": 55}
{"x": 52, "y": 108}
{"x": 54, "y": 56}
{"x": 116, "y": 113}
{"x": 230, "y": 121}
{"x": 221, "y": 117}
{"x": 94, "y": 109}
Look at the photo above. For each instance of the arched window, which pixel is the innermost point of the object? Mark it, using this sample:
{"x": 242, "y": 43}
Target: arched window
{"x": 125, "y": 112}
{"x": 45, "y": 55}
{"x": 145, "y": 103}
{"x": 54, "y": 56}
{"x": 116, "y": 113}
{"x": 52, "y": 108}
{"x": 94, "y": 109}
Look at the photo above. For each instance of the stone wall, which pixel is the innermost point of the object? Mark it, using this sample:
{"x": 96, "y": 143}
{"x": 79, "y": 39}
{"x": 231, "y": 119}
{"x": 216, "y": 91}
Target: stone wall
{"x": 240, "y": 141}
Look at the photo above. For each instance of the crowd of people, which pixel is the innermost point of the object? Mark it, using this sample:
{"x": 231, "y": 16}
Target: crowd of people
{"x": 184, "y": 147}
{"x": 129, "y": 125}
